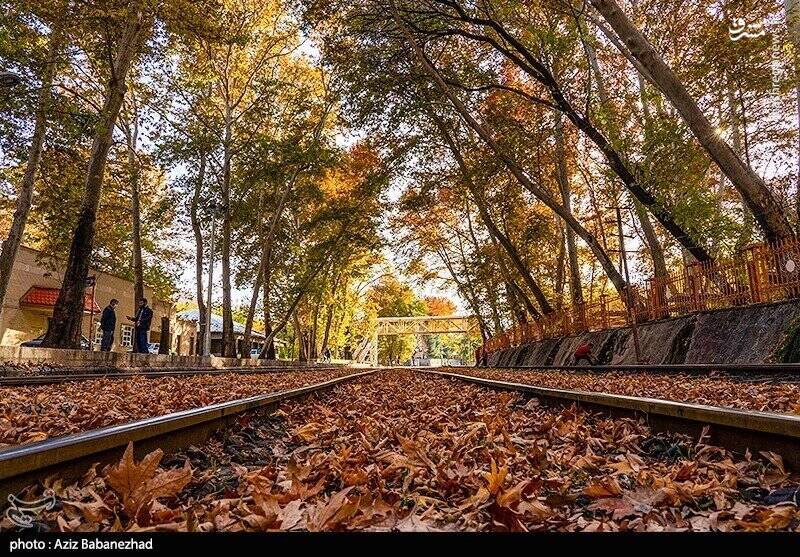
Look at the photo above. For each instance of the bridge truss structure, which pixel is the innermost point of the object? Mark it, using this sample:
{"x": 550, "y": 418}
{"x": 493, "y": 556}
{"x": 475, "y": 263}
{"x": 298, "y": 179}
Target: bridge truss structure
{"x": 420, "y": 326}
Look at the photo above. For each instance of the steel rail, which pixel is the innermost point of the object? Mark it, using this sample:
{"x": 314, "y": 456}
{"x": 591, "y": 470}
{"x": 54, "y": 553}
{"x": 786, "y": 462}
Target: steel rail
{"x": 71, "y": 455}
{"x": 111, "y": 373}
{"x": 666, "y": 368}
{"x": 736, "y": 430}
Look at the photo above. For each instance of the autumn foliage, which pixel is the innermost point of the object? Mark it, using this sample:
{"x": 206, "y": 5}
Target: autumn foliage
{"x": 402, "y": 451}
{"x": 716, "y": 389}
{"x": 29, "y": 414}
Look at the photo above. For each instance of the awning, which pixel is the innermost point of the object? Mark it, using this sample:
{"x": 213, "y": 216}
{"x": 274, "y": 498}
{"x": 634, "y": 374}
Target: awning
{"x": 44, "y": 297}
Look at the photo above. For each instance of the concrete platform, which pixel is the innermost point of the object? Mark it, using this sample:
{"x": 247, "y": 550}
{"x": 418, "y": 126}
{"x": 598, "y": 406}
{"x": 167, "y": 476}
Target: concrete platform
{"x": 17, "y": 360}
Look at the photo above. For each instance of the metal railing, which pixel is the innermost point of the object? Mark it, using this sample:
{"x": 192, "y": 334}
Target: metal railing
{"x": 758, "y": 274}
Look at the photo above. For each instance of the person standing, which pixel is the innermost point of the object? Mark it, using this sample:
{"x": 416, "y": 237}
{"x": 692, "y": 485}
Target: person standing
{"x": 141, "y": 327}
{"x": 108, "y": 322}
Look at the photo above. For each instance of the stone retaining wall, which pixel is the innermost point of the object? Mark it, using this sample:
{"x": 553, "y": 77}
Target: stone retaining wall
{"x": 753, "y": 334}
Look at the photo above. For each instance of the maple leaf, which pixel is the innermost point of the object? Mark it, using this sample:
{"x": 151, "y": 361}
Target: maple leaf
{"x": 507, "y": 498}
{"x": 608, "y": 487}
{"x": 309, "y": 431}
{"x": 478, "y": 499}
{"x": 353, "y": 477}
{"x": 534, "y": 509}
{"x": 495, "y": 477}
{"x": 291, "y": 514}
{"x": 326, "y": 516}
{"x": 770, "y": 519}
{"x": 684, "y": 471}
{"x": 414, "y": 523}
{"x": 778, "y": 475}
{"x": 617, "y": 507}
{"x": 94, "y": 511}
{"x": 140, "y": 484}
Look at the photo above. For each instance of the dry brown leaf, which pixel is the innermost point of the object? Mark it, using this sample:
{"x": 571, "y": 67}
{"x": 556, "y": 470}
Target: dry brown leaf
{"x": 461, "y": 456}
{"x": 140, "y": 483}
{"x": 607, "y": 487}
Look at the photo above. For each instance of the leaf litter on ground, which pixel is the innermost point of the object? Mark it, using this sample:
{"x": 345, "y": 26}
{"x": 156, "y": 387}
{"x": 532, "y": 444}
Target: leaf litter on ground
{"x": 716, "y": 389}
{"x": 403, "y": 451}
{"x": 29, "y": 414}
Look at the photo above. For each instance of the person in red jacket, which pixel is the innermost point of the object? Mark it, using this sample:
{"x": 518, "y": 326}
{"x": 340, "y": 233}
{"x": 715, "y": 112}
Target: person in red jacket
{"x": 583, "y": 352}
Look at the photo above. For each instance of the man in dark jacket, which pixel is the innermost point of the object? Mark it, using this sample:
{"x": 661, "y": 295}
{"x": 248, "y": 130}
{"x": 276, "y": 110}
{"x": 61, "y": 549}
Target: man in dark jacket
{"x": 142, "y": 321}
{"x": 108, "y": 322}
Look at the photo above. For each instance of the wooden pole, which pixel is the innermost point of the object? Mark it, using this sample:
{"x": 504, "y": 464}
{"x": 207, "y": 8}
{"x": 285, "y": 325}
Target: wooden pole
{"x": 91, "y": 314}
{"x": 163, "y": 347}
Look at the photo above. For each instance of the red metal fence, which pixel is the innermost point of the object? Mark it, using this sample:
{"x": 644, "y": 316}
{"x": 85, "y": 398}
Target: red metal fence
{"x": 761, "y": 273}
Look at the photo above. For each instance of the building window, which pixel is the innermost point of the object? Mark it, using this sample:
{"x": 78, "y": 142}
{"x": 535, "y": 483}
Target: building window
{"x": 127, "y": 336}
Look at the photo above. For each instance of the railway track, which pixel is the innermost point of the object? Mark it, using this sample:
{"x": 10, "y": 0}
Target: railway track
{"x": 750, "y": 372}
{"x": 71, "y": 455}
{"x": 32, "y": 380}
{"x": 68, "y": 457}
{"x": 736, "y": 430}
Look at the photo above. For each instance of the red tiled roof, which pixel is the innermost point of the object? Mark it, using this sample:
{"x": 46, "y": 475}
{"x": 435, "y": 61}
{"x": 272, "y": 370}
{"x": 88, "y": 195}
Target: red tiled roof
{"x": 42, "y": 296}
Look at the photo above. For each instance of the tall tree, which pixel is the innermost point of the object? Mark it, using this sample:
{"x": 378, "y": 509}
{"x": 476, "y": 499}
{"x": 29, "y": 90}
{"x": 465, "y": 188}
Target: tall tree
{"x": 762, "y": 203}
{"x": 25, "y": 193}
{"x": 576, "y": 291}
{"x": 65, "y": 328}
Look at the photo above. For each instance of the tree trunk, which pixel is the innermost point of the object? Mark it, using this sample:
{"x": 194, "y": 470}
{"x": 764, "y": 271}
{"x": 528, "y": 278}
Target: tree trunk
{"x": 653, "y": 245}
{"x": 25, "y": 193}
{"x": 601, "y": 86}
{"x": 651, "y": 238}
{"x": 491, "y": 295}
{"x": 765, "y": 207}
{"x": 466, "y": 288}
{"x": 327, "y": 331}
{"x": 736, "y": 129}
{"x": 300, "y": 334}
{"x": 561, "y": 257}
{"x": 518, "y": 173}
{"x": 65, "y": 329}
{"x": 575, "y": 288}
{"x": 796, "y": 42}
{"x": 314, "y": 329}
{"x": 268, "y": 351}
{"x": 228, "y": 341}
{"x": 792, "y": 12}
{"x": 329, "y": 313}
{"x": 198, "y": 246}
{"x": 477, "y": 195}
{"x": 514, "y": 304}
{"x": 300, "y": 293}
{"x": 251, "y": 313}
{"x": 517, "y": 292}
{"x": 132, "y": 137}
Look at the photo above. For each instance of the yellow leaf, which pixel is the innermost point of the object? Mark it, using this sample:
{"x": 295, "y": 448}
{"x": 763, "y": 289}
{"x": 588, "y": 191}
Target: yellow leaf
{"x": 495, "y": 477}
